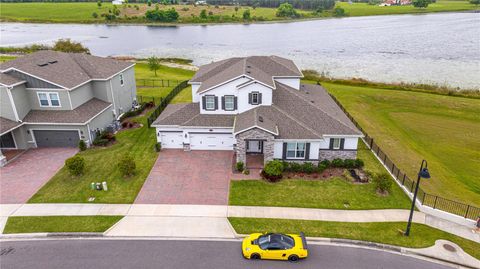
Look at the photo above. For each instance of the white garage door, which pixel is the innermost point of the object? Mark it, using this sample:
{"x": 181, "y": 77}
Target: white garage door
{"x": 211, "y": 141}
{"x": 171, "y": 140}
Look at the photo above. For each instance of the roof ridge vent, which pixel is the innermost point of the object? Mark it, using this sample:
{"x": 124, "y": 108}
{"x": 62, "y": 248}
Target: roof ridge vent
{"x": 42, "y": 64}
{"x": 52, "y": 61}
{"x": 260, "y": 118}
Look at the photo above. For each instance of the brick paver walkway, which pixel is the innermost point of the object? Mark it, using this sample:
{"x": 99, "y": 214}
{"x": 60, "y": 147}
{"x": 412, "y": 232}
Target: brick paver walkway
{"x": 23, "y": 177}
{"x": 194, "y": 177}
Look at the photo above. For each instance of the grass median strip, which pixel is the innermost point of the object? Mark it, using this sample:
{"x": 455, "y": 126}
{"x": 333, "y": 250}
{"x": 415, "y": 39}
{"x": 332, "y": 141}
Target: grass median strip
{"x": 422, "y": 236}
{"x": 60, "y": 224}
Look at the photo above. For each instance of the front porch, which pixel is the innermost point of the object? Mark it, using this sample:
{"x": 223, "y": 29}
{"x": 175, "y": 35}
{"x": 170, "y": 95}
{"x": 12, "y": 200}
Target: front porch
{"x": 254, "y": 148}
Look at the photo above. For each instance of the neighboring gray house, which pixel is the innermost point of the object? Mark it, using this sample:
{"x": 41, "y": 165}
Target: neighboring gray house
{"x": 256, "y": 105}
{"x": 55, "y": 99}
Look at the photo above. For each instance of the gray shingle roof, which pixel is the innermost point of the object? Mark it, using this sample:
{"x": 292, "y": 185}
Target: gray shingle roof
{"x": 258, "y": 117}
{"x": 8, "y": 80}
{"x": 66, "y": 69}
{"x": 6, "y": 124}
{"x": 261, "y": 68}
{"x": 189, "y": 115}
{"x": 80, "y": 114}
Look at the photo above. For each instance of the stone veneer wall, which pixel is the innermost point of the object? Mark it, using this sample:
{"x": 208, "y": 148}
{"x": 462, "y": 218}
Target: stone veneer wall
{"x": 254, "y": 134}
{"x": 337, "y": 154}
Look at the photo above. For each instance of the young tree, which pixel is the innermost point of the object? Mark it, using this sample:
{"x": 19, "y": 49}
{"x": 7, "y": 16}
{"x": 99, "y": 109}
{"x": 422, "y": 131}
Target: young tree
{"x": 99, "y": 4}
{"x": 67, "y": 45}
{"x": 203, "y": 14}
{"x": 149, "y": 3}
{"x": 420, "y": 3}
{"x": 246, "y": 14}
{"x": 154, "y": 64}
{"x": 236, "y": 9}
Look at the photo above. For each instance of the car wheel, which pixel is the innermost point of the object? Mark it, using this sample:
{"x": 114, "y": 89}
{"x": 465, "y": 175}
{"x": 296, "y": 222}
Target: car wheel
{"x": 293, "y": 258}
{"x": 255, "y": 256}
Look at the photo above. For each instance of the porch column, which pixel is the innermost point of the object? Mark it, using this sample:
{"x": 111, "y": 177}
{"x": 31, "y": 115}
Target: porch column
{"x": 3, "y": 159}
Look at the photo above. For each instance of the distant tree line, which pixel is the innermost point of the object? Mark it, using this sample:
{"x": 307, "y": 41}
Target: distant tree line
{"x": 298, "y": 4}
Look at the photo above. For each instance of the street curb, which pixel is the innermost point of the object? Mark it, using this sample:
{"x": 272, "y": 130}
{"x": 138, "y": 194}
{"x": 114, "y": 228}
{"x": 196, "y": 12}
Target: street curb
{"x": 373, "y": 245}
{"x": 46, "y": 235}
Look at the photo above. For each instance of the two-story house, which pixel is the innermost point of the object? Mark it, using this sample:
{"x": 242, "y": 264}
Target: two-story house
{"x": 54, "y": 99}
{"x": 257, "y": 105}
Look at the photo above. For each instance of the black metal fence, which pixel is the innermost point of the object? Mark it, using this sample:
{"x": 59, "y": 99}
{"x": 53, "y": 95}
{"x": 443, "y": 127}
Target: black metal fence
{"x": 157, "y": 83}
{"x": 165, "y": 101}
{"x": 426, "y": 199}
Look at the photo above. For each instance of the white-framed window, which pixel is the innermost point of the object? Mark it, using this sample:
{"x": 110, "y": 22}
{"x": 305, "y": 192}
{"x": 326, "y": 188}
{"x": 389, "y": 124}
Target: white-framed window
{"x": 121, "y": 79}
{"x": 209, "y": 102}
{"x": 336, "y": 143}
{"x": 48, "y": 99}
{"x": 295, "y": 150}
{"x": 255, "y": 100}
{"x": 229, "y": 102}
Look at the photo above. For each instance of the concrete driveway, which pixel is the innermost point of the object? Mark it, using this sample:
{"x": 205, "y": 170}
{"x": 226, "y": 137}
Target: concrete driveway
{"x": 193, "y": 177}
{"x": 23, "y": 177}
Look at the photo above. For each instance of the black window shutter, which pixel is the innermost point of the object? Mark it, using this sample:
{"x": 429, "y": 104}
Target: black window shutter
{"x": 235, "y": 103}
{"x": 259, "y": 98}
{"x": 223, "y": 102}
{"x": 216, "y": 102}
{"x": 331, "y": 143}
{"x": 204, "y": 102}
{"x": 250, "y": 98}
{"x": 284, "y": 153}
{"x": 307, "y": 151}
{"x": 342, "y": 143}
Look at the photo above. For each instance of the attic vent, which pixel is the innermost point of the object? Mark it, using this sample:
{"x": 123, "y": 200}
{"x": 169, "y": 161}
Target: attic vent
{"x": 312, "y": 102}
{"x": 248, "y": 66}
{"x": 248, "y": 72}
{"x": 53, "y": 61}
{"x": 42, "y": 64}
{"x": 260, "y": 119}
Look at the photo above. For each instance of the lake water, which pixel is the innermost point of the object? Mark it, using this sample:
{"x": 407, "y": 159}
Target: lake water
{"x": 429, "y": 48}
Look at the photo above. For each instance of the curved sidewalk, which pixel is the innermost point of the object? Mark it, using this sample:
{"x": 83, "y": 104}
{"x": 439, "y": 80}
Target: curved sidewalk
{"x": 143, "y": 219}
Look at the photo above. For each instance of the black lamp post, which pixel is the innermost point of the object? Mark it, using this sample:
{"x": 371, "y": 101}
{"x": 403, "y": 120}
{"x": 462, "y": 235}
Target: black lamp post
{"x": 423, "y": 173}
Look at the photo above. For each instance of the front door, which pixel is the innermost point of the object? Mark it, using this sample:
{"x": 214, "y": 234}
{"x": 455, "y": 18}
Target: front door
{"x": 254, "y": 146}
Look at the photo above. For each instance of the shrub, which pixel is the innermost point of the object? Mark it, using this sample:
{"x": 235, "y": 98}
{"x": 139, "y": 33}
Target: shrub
{"x": 325, "y": 163}
{"x": 127, "y": 165}
{"x": 158, "y": 147}
{"x": 321, "y": 167}
{"x": 246, "y": 14}
{"x": 240, "y": 166}
{"x": 475, "y": 2}
{"x": 308, "y": 168}
{"x": 246, "y": 172}
{"x": 75, "y": 165}
{"x": 67, "y": 45}
{"x": 359, "y": 163}
{"x": 273, "y": 171}
{"x": 82, "y": 145}
{"x": 203, "y": 14}
{"x": 99, "y": 4}
{"x": 337, "y": 163}
{"x": 349, "y": 163}
{"x": 95, "y": 15}
{"x": 339, "y": 12}
{"x": 100, "y": 142}
{"x": 169, "y": 15}
{"x": 382, "y": 182}
{"x": 420, "y": 3}
{"x": 286, "y": 10}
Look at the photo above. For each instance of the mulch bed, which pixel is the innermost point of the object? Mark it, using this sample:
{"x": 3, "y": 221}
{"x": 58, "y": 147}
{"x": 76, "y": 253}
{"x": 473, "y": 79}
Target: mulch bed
{"x": 326, "y": 174}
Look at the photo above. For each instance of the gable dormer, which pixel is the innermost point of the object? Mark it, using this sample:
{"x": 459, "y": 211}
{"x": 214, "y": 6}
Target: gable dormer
{"x": 236, "y": 85}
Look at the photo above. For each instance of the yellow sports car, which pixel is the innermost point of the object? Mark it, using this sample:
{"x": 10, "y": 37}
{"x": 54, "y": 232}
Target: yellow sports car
{"x": 275, "y": 246}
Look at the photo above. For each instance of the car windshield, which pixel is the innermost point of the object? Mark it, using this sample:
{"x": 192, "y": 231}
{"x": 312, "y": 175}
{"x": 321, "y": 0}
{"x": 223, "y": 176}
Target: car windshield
{"x": 275, "y": 241}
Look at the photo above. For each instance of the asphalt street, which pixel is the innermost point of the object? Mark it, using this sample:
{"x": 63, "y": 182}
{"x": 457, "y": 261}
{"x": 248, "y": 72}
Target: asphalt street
{"x": 180, "y": 254}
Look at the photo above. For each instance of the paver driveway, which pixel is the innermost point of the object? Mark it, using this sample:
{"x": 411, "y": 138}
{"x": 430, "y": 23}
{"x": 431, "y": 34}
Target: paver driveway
{"x": 22, "y": 178}
{"x": 194, "y": 177}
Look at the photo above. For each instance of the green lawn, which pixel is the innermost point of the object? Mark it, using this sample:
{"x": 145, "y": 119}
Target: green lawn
{"x": 411, "y": 126}
{"x": 331, "y": 193}
{"x": 364, "y": 9}
{"x": 4, "y": 58}
{"x": 166, "y": 73}
{"x": 101, "y": 165}
{"x": 82, "y": 12}
{"x": 59, "y": 224}
{"x": 382, "y": 232}
{"x": 185, "y": 96}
